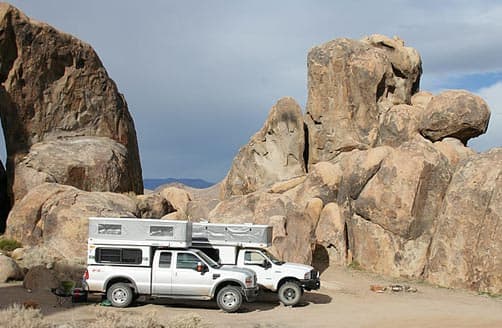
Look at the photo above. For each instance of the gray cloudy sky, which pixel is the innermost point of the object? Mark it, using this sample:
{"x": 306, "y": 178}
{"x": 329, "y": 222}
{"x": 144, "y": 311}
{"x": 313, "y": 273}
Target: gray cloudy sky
{"x": 200, "y": 76}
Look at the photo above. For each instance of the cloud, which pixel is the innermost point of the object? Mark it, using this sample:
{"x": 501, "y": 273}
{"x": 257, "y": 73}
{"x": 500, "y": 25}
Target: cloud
{"x": 493, "y": 137}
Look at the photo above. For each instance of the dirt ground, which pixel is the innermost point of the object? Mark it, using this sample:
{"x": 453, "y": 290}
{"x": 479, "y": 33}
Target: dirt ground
{"x": 344, "y": 300}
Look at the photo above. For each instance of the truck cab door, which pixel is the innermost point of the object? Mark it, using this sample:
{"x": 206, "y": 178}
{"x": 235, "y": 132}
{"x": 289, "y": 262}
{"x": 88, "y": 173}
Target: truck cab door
{"x": 187, "y": 280}
{"x": 257, "y": 262}
{"x": 162, "y": 273}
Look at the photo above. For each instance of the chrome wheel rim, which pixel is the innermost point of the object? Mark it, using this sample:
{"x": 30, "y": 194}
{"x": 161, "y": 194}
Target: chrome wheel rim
{"x": 119, "y": 296}
{"x": 229, "y": 299}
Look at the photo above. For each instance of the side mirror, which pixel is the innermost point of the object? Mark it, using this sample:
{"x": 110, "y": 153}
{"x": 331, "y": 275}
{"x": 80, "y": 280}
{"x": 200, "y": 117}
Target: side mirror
{"x": 267, "y": 264}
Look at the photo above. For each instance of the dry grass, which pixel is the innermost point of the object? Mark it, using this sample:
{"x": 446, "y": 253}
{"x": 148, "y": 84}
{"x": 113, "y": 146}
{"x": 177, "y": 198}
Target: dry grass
{"x": 113, "y": 318}
{"x": 20, "y": 316}
{"x": 189, "y": 320}
{"x": 17, "y": 316}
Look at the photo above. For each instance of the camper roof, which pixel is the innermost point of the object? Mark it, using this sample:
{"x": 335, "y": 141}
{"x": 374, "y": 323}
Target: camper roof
{"x": 135, "y": 231}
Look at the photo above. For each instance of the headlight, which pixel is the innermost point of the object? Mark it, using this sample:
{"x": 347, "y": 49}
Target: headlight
{"x": 306, "y": 275}
{"x": 249, "y": 281}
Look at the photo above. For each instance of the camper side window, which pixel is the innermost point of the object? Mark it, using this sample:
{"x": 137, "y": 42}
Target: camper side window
{"x": 109, "y": 229}
{"x": 161, "y": 231}
{"x": 118, "y": 255}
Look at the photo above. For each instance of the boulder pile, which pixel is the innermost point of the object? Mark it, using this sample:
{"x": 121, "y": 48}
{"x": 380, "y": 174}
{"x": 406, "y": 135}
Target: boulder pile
{"x": 386, "y": 179}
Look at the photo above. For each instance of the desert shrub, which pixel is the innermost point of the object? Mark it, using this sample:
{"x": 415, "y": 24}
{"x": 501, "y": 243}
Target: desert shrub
{"x": 16, "y": 316}
{"x": 189, "y": 320}
{"x": 9, "y": 245}
{"x": 354, "y": 265}
{"x": 20, "y": 317}
{"x": 114, "y": 318}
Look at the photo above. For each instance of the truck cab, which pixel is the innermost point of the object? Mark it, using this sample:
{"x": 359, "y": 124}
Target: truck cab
{"x": 245, "y": 246}
{"x": 272, "y": 272}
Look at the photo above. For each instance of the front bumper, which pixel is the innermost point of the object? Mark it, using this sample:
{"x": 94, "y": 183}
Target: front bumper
{"x": 311, "y": 284}
{"x": 250, "y": 293}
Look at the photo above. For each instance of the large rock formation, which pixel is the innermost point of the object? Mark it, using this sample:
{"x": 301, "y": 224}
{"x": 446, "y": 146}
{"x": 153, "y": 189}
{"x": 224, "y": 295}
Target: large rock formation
{"x": 54, "y": 86}
{"x": 466, "y": 250}
{"x": 394, "y": 214}
{"x": 390, "y": 185}
{"x": 275, "y": 153}
{"x": 56, "y": 216}
{"x": 350, "y": 84}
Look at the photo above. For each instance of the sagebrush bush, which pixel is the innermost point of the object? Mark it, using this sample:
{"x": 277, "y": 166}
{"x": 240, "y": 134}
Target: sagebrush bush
{"x": 16, "y": 316}
{"x": 9, "y": 245}
{"x": 114, "y": 318}
{"x": 189, "y": 320}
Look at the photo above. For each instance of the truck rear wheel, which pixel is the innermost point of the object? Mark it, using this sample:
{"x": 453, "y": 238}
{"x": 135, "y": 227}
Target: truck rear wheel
{"x": 120, "y": 295}
{"x": 290, "y": 293}
{"x": 229, "y": 299}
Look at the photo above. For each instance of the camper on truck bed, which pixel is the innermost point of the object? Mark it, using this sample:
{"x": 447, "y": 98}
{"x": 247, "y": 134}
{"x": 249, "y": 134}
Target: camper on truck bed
{"x": 128, "y": 258}
{"x": 243, "y": 245}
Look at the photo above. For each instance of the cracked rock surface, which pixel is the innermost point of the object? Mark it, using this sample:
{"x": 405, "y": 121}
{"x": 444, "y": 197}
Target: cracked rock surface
{"x": 275, "y": 153}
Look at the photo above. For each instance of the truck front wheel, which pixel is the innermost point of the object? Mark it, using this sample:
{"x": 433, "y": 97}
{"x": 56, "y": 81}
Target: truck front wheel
{"x": 290, "y": 293}
{"x": 229, "y": 299}
{"x": 120, "y": 295}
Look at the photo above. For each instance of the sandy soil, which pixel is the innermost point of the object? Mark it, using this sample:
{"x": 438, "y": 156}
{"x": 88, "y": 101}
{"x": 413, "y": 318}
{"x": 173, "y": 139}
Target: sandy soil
{"x": 343, "y": 301}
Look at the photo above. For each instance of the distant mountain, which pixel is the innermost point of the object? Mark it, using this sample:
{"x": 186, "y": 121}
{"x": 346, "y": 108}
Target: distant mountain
{"x": 195, "y": 183}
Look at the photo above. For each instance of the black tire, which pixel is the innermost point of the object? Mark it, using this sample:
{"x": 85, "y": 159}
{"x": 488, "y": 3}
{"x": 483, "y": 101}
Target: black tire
{"x": 229, "y": 299}
{"x": 120, "y": 295}
{"x": 290, "y": 293}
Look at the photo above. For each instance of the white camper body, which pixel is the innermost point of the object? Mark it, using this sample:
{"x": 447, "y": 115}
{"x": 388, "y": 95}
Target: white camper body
{"x": 243, "y": 245}
{"x": 130, "y": 257}
{"x": 133, "y": 231}
{"x": 243, "y": 235}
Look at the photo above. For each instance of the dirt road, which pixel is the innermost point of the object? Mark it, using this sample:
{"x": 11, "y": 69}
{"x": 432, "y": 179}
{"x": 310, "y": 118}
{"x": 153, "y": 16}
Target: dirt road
{"x": 343, "y": 301}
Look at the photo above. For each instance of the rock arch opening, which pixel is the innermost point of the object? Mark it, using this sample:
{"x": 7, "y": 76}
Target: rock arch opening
{"x": 320, "y": 258}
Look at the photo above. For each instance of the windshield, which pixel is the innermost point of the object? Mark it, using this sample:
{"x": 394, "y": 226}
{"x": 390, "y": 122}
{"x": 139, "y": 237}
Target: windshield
{"x": 208, "y": 260}
{"x": 272, "y": 258}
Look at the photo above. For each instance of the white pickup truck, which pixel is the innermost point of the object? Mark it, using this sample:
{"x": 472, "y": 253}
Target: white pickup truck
{"x": 243, "y": 245}
{"x": 128, "y": 258}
